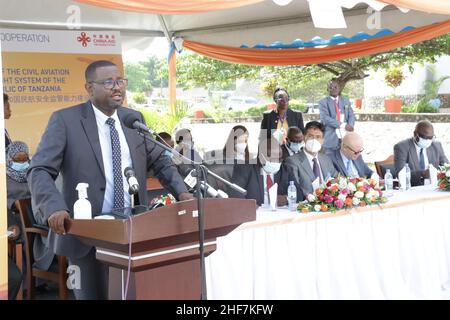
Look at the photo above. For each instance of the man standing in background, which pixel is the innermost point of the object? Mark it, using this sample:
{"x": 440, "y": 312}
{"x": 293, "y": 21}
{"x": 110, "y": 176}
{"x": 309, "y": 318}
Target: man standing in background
{"x": 337, "y": 116}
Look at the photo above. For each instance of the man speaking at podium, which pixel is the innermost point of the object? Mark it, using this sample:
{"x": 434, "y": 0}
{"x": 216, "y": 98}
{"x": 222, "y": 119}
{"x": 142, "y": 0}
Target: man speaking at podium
{"x": 89, "y": 143}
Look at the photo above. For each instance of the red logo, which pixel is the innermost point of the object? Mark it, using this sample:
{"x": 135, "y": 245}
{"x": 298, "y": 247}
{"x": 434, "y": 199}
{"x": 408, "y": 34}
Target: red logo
{"x": 84, "y": 39}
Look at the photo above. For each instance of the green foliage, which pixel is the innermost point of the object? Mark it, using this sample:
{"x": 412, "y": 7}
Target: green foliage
{"x": 298, "y": 105}
{"x": 198, "y": 71}
{"x": 144, "y": 76}
{"x": 139, "y": 98}
{"x": 165, "y": 122}
{"x": 419, "y": 107}
{"x": 137, "y": 78}
{"x": 308, "y": 82}
{"x": 394, "y": 77}
{"x": 425, "y": 104}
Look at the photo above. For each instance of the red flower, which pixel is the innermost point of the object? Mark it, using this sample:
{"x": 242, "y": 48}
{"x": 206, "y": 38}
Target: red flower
{"x": 168, "y": 201}
{"x": 442, "y": 186}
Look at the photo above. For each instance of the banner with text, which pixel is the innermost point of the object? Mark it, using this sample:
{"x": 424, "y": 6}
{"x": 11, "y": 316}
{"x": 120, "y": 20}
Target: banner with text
{"x": 3, "y": 215}
{"x": 43, "y": 70}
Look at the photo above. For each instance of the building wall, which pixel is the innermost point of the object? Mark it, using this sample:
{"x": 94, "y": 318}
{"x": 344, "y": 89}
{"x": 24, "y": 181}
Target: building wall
{"x": 375, "y": 88}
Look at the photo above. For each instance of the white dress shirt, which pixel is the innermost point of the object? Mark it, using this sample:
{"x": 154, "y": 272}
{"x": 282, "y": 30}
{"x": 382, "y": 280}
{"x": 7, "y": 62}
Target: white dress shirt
{"x": 311, "y": 163}
{"x": 425, "y": 156}
{"x": 352, "y": 171}
{"x": 105, "y": 144}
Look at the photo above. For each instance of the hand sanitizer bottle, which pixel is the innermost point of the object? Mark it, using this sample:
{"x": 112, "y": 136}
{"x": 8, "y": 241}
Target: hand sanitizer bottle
{"x": 82, "y": 207}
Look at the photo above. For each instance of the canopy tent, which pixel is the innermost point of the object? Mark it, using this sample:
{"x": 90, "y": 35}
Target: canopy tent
{"x": 223, "y": 29}
{"x": 263, "y": 22}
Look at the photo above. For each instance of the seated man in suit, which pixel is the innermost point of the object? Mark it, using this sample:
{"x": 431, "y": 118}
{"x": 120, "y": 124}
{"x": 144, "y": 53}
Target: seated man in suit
{"x": 335, "y": 113}
{"x": 348, "y": 160}
{"x": 294, "y": 142}
{"x": 258, "y": 178}
{"x": 309, "y": 164}
{"x": 419, "y": 152}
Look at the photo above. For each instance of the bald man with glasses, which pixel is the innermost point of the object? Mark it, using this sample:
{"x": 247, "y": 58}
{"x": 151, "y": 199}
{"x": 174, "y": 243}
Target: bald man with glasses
{"x": 348, "y": 160}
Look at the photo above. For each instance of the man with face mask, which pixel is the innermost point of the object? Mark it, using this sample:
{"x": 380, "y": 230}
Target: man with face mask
{"x": 294, "y": 142}
{"x": 258, "y": 178}
{"x": 277, "y": 122}
{"x": 348, "y": 160}
{"x": 419, "y": 152}
{"x": 309, "y": 164}
{"x": 337, "y": 116}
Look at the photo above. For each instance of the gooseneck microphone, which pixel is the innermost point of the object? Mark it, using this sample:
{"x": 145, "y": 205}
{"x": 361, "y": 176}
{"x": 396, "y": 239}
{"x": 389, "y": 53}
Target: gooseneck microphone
{"x": 132, "y": 181}
{"x": 132, "y": 121}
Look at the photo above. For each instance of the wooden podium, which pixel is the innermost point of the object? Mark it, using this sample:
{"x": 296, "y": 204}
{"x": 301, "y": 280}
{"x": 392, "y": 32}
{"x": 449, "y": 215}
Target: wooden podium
{"x": 165, "y": 260}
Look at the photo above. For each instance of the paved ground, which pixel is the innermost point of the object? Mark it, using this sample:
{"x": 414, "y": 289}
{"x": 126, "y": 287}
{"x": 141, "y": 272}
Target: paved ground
{"x": 379, "y": 137}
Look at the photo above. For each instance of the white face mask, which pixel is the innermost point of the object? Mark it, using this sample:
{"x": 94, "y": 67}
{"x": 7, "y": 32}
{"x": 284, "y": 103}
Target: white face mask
{"x": 240, "y": 147}
{"x": 313, "y": 145}
{"x": 272, "y": 167}
{"x": 424, "y": 143}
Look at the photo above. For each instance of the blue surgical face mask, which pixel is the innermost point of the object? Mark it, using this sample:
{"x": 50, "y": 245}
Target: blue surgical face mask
{"x": 296, "y": 146}
{"x": 20, "y": 166}
{"x": 424, "y": 143}
{"x": 168, "y": 153}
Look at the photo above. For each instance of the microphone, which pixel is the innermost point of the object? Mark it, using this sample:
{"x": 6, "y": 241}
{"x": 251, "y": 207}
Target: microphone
{"x": 191, "y": 181}
{"x": 132, "y": 181}
{"x": 132, "y": 121}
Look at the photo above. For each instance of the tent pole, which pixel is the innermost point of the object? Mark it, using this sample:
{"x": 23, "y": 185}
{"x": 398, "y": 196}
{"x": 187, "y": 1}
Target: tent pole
{"x": 173, "y": 83}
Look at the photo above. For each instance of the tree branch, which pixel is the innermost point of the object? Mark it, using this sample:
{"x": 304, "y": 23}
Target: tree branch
{"x": 329, "y": 69}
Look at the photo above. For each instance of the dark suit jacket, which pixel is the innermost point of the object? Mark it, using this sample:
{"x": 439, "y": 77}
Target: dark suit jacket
{"x": 297, "y": 168}
{"x": 71, "y": 146}
{"x": 405, "y": 152}
{"x": 270, "y": 120}
{"x": 361, "y": 166}
{"x": 249, "y": 177}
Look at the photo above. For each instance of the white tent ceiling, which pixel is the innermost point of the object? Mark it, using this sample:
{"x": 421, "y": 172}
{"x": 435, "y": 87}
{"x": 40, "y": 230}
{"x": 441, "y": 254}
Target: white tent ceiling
{"x": 264, "y": 22}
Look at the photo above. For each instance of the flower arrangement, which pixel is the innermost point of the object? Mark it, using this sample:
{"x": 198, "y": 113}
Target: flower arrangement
{"x": 161, "y": 201}
{"x": 342, "y": 193}
{"x": 444, "y": 177}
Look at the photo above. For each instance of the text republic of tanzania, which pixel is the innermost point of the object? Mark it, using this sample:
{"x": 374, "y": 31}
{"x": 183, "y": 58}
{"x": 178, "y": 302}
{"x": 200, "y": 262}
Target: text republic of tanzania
{"x": 44, "y": 88}
{"x": 226, "y": 309}
{"x": 24, "y": 37}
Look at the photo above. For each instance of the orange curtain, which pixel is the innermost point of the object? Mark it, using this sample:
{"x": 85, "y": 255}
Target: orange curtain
{"x": 278, "y": 57}
{"x": 431, "y": 6}
{"x": 170, "y": 7}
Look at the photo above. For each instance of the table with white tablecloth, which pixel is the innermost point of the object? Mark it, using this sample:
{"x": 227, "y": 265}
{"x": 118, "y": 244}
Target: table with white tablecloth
{"x": 399, "y": 250}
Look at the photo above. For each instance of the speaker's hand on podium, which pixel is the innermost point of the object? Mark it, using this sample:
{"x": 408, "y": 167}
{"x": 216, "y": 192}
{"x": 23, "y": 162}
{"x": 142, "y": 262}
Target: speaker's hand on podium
{"x": 56, "y": 221}
{"x": 185, "y": 196}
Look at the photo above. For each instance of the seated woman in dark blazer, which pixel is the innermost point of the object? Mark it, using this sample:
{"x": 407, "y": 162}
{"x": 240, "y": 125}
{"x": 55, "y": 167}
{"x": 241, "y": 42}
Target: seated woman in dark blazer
{"x": 281, "y": 118}
{"x": 222, "y": 161}
{"x": 260, "y": 175}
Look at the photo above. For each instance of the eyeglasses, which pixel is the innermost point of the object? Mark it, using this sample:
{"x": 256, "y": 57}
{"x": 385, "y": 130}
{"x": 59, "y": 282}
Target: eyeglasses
{"x": 109, "y": 84}
{"x": 355, "y": 152}
{"x": 426, "y": 137}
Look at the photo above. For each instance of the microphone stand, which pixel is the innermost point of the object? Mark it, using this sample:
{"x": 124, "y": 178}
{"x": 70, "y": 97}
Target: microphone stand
{"x": 201, "y": 173}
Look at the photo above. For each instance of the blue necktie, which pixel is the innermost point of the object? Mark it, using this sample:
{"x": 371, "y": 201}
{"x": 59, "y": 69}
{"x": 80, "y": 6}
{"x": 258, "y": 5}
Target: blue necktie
{"x": 349, "y": 169}
{"x": 117, "y": 165}
{"x": 316, "y": 169}
{"x": 422, "y": 160}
